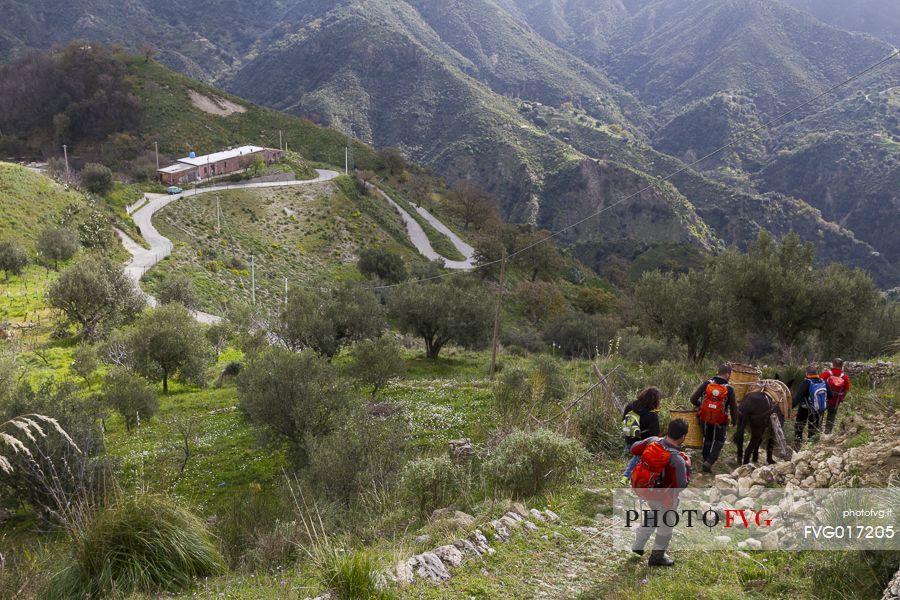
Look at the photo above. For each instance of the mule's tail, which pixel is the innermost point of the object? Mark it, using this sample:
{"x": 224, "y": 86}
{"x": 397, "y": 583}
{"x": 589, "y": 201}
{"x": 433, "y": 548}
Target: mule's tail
{"x": 738, "y": 436}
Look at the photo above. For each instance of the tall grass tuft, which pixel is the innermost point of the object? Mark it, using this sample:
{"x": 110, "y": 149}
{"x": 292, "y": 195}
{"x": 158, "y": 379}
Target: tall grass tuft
{"x": 351, "y": 575}
{"x": 141, "y": 544}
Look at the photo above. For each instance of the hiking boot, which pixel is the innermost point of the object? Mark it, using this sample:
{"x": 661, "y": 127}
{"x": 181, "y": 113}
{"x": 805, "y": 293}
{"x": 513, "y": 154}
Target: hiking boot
{"x": 658, "y": 558}
{"x": 706, "y": 467}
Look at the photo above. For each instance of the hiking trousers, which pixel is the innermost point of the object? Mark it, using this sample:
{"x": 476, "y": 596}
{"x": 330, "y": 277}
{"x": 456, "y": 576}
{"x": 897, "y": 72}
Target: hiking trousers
{"x": 663, "y": 531}
{"x": 806, "y": 419}
{"x": 830, "y": 416}
{"x": 713, "y": 441}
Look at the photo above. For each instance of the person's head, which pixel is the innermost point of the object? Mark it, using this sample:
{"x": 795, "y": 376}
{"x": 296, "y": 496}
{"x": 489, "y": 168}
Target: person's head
{"x": 812, "y": 371}
{"x": 725, "y": 371}
{"x": 677, "y": 431}
{"x": 838, "y": 363}
{"x": 649, "y": 399}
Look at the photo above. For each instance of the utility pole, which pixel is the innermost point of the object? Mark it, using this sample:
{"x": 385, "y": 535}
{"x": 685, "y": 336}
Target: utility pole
{"x": 66, "y": 155}
{"x": 218, "y": 217}
{"x": 156, "y": 147}
{"x": 280, "y": 143}
{"x": 285, "y": 291}
{"x": 496, "y": 341}
{"x": 346, "y": 161}
{"x": 253, "y": 280}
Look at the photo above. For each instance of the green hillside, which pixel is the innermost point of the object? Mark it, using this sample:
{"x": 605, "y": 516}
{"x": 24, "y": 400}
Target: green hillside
{"x": 30, "y": 202}
{"x": 853, "y": 180}
{"x": 312, "y": 235}
{"x": 172, "y": 117}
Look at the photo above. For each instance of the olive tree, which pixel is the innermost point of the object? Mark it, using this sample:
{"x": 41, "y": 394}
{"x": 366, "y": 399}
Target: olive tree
{"x": 375, "y": 362}
{"x": 168, "y": 342}
{"x": 297, "y": 396}
{"x": 383, "y": 264}
{"x": 57, "y": 243}
{"x": 695, "y": 309}
{"x": 178, "y": 289}
{"x": 95, "y": 294}
{"x": 97, "y": 178}
{"x": 326, "y": 322}
{"x": 130, "y": 396}
{"x": 454, "y": 310}
{"x": 13, "y": 258}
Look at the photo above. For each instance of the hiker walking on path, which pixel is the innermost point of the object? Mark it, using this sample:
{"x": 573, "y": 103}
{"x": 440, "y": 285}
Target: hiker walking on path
{"x": 639, "y": 422}
{"x": 839, "y": 386}
{"x": 716, "y": 402}
{"x": 811, "y": 400}
{"x": 663, "y": 471}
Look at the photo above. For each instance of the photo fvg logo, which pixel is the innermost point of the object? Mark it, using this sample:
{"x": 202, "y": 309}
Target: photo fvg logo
{"x": 727, "y": 518}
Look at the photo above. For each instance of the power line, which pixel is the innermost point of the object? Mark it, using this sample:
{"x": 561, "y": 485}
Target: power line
{"x": 667, "y": 177}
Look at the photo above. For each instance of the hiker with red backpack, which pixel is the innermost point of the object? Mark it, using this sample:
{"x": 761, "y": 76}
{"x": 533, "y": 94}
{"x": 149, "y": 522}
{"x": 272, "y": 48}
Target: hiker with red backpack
{"x": 716, "y": 406}
{"x": 811, "y": 401}
{"x": 839, "y": 385}
{"x": 661, "y": 473}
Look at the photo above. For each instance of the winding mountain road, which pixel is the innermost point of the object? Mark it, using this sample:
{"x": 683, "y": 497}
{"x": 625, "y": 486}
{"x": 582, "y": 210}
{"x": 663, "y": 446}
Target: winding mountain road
{"x": 144, "y": 259}
{"x": 420, "y": 240}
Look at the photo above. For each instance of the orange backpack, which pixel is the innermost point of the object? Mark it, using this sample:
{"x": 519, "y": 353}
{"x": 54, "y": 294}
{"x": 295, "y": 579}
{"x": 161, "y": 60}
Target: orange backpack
{"x": 649, "y": 472}
{"x": 712, "y": 410}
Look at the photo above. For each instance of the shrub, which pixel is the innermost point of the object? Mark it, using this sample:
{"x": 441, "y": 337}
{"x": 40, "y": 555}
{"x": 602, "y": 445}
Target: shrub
{"x": 432, "y": 483}
{"x": 247, "y": 519}
{"x": 512, "y": 392}
{"x": 97, "y": 179}
{"x": 142, "y": 544}
{"x": 525, "y": 337}
{"x": 599, "y": 426}
{"x": 577, "y": 335}
{"x": 641, "y": 348}
{"x": 130, "y": 396}
{"x": 548, "y": 381}
{"x": 364, "y": 453}
{"x": 525, "y": 463}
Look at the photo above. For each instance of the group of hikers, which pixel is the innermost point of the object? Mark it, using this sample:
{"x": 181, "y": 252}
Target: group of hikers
{"x": 659, "y": 462}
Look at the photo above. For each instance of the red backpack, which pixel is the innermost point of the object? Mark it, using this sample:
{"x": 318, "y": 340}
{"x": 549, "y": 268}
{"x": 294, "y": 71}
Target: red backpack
{"x": 838, "y": 387}
{"x": 649, "y": 472}
{"x": 712, "y": 410}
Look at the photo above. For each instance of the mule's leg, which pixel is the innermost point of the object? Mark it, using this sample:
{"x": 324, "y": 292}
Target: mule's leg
{"x": 770, "y": 448}
{"x": 753, "y": 448}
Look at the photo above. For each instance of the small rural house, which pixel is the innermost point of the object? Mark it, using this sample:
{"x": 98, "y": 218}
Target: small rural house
{"x": 195, "y": 168}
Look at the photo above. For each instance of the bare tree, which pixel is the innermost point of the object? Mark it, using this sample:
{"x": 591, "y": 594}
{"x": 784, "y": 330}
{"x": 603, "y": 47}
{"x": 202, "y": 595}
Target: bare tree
{"x": 472, "y": 204}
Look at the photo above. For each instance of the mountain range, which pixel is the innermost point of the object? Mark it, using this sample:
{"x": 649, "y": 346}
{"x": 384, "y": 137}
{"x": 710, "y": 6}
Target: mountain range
{"x": 562, "y": 107}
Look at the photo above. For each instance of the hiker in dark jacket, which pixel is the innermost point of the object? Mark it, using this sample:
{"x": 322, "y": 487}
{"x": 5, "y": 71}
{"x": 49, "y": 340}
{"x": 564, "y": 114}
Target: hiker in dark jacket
{"x": 808, "y": 414}
{"x": 839, "y": 386}
{"x": 640, "y": 421}
{"x": 674, "y": 478}
{"x": 715, "y": 419}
